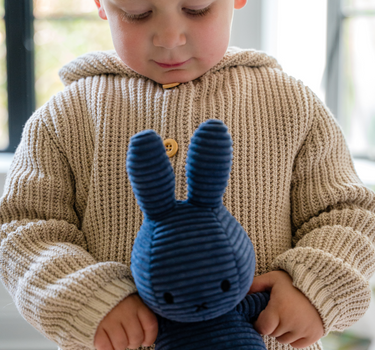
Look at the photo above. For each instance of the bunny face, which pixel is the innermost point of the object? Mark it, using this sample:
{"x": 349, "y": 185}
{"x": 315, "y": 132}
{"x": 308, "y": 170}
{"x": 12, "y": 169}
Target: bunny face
{"x": 191, "y": 261}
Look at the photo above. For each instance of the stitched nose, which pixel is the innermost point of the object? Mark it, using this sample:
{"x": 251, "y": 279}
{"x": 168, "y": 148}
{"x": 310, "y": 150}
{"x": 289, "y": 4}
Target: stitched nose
{"x": 203, "y": 306}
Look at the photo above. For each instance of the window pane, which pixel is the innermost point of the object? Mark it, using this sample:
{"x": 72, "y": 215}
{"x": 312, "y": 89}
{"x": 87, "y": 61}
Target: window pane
{"x": 47, "y": 8}
{"x": 58, "y": 42}
{"x": 302, "y": 52}
{"x": 359, "y": 4}
{"x": 4, "y": 135}
{"x": 357, "y": 95}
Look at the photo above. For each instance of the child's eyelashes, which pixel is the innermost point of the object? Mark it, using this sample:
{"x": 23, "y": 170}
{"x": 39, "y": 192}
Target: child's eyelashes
{"x": 201, "y": 12}
{"x": 133, "y": 18}
{"x": 192, "y": 13}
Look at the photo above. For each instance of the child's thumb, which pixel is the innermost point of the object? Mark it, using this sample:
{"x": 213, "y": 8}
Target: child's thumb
{"x": 262, "y": 283}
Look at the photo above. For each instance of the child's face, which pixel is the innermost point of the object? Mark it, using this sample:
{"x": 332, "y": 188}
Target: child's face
{"x": 170, "y": 41}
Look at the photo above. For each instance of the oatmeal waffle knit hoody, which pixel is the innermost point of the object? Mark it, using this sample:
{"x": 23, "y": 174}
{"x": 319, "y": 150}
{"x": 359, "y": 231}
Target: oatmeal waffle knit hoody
{"x": 69, "y": 217}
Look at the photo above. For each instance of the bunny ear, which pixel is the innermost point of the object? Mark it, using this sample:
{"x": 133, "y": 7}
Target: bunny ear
{"x": 208, "y": 164}
{"x": 150, "y": 173}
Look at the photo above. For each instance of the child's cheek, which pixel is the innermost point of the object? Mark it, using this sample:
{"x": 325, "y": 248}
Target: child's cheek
{"x": 214, "y": 43}
{"x": 130, "y": 46}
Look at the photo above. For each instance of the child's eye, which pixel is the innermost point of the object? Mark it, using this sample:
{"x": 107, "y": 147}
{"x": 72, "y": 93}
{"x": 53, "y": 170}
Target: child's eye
{"x": 201, "y": 12}
{"x": 194, "y": 13}
{"x": 133, "y": 18}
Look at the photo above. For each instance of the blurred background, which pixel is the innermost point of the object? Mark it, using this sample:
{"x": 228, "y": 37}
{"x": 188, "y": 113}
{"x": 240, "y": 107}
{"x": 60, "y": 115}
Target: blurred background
{"x": 328, "y": 44}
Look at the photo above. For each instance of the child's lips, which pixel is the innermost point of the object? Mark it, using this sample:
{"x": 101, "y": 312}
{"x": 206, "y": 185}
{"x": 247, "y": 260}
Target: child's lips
{"x": 171, "y": 64}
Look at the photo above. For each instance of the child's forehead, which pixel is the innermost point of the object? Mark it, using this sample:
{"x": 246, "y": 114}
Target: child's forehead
{"x": 164, "y": 2}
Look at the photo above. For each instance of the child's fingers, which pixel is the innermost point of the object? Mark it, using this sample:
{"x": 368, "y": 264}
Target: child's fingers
{"x": 262, "y": 283}
{"x": 280, "y": 330}
{"x": 267, "y": 321}
{"x": 288, "y": 338}
{"x": 102, "y": 341}
{"x": 134, "y": 332}
{"x": 308, "y": 337}
{"x": 149, "y": 324}
{"x": 118, "y": 336}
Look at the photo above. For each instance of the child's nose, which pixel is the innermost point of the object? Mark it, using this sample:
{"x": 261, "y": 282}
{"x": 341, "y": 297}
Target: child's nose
{"x": 169, "y": 36}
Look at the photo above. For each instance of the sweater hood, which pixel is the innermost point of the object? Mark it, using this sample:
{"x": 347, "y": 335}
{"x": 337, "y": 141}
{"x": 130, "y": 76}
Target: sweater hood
{"x": 108, "y": 62}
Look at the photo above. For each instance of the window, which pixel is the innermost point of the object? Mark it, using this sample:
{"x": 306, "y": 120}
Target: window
{"x": 20, "y": 67}
{"x": 295, "y": 33}
{"x": 352, "y": 55}
{"x": 332, "y": 52}
{"x": 4, "y": 137}
{"x": 42, "y": 36}
{"x": 64, "y": 30}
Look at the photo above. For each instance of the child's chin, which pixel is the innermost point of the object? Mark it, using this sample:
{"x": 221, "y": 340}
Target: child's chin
{"x": 175, "y": 77}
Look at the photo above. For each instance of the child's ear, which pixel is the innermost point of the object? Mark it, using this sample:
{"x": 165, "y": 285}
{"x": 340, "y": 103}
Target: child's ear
{"x": 208, "y": 164}
{"x": 101, "y": 9}
{"x": 151, "y": 174}
{"x": 239, "y": 4}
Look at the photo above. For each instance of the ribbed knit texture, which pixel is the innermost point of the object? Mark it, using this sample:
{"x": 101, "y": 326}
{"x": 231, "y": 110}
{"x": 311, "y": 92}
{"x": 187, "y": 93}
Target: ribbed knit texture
{"x": 69, "y": 216}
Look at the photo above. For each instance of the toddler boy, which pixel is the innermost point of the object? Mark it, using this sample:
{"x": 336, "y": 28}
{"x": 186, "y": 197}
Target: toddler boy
{"x": 69, "y": 216}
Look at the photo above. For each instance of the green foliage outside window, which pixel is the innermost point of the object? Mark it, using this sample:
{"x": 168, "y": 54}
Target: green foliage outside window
{"x": 359, "y": 4}
{"x": 345, "y": 341}
{"x": 64, "y": 30}
{"x": 46, "y": 8}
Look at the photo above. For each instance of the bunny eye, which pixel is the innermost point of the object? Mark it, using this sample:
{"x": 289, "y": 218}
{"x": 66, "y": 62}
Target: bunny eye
{"x": 168, "y": 297}
{"x": 225, "y": 285}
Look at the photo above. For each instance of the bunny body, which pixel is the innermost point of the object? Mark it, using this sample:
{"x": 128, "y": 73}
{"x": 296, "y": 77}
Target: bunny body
{"x": 233, "y": 330}
{"x": 192, "y": 261}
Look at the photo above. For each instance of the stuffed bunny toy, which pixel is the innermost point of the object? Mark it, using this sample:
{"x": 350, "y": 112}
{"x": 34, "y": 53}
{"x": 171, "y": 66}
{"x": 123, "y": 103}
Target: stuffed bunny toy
{"x": 192, "y": 262}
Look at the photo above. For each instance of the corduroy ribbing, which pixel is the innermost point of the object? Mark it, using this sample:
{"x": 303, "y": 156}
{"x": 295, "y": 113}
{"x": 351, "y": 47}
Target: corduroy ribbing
{"x": 69, "y": 217}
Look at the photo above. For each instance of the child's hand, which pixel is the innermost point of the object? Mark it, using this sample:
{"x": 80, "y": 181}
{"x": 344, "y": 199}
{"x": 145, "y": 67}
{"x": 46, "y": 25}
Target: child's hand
{"x": 129, "y": 324}
{"x": 289, "y": 315}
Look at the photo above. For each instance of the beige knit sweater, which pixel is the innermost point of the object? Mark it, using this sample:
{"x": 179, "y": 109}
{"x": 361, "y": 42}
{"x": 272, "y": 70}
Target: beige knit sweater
{"x": 69, "y": 217}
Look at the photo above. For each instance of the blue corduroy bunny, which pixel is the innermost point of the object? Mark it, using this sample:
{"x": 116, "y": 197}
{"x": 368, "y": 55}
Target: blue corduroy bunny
{"x": 192, "y": 262}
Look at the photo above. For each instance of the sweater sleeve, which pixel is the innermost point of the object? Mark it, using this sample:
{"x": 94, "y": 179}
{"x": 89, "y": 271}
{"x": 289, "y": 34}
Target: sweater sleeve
{"x": 333, "y": 220}
{"x": 57, "y": 286}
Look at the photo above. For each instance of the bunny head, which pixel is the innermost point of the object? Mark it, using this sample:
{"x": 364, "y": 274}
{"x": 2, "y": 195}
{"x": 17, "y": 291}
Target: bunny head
{"x": 191, "y": 261}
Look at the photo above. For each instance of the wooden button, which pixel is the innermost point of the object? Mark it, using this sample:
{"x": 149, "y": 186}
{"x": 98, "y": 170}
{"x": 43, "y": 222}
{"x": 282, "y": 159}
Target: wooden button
{"x": 171, "y": 147}
{"x": 170, "y": 86}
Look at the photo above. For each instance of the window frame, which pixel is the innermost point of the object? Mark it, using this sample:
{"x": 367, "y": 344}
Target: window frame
{"x": 19, "y": 30}
{"x": 336, "y": 15}
{"x": 333, "y": 58}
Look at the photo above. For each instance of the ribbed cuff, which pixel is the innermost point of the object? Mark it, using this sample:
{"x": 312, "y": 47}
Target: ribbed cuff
{"x": 102, "y": 301}
{"x": 340, "y": 293}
